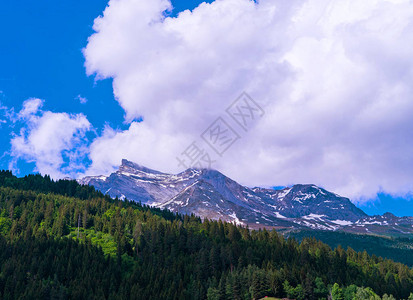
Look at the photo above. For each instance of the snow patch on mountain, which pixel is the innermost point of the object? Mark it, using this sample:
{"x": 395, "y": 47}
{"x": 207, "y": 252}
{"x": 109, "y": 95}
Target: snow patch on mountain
{"x": 341, "y": 222}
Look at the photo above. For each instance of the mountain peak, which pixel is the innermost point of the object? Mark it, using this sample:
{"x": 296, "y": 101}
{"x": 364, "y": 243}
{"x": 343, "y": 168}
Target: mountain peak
{"x": 211, "y": 173}
{"x": 126, "y": 165}
{"x": 389, "y": 215}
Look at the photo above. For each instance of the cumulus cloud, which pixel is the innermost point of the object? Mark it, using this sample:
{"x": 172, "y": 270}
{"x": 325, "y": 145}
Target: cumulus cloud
{"x": 334, "y": 79}
{"x": 30, "y": 107}
{"x": 55, "y": 142}
{"x": 138, "y": 143}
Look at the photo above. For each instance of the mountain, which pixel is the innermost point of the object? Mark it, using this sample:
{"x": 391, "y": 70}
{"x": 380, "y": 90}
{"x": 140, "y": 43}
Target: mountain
{"x": 386, "y": 224}
{"x": 210, "y": 194}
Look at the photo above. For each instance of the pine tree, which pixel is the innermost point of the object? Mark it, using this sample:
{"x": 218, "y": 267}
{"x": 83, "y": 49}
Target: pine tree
{"x": 336, "y": 292}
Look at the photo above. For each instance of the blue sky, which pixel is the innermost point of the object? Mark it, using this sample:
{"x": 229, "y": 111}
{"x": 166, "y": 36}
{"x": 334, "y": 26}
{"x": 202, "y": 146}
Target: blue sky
{"x": 41, "y": 56}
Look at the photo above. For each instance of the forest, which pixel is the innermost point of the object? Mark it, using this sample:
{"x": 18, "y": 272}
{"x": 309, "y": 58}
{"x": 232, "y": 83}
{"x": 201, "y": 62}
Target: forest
{"x": 61, "y": 240}
{"x": 398, "y": 249}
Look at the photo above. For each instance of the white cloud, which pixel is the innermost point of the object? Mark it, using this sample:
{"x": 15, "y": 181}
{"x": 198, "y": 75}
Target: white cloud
{"x": 30, "y": 107}
{"x": 7, "y": 113}
{"x": 334, "y": 78}
{"x": 107, "y": 151}
{"x": 3, "y": 110}
{"x": 55, "y": 142}
{"x": 81, "y": 99}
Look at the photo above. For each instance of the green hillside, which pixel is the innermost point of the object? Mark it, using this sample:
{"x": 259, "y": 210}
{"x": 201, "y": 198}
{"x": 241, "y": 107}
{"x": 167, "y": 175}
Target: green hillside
{"x": 60, "y": 240}
{"x": 397, "y": 249}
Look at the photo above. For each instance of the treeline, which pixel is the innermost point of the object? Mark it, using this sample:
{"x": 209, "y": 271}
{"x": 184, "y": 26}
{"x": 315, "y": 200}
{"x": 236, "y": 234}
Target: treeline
{"x": 56, "y": 245}
{"x": 69, "y": 188}
{"x": 397, "y": 249}
{"x": 44, "y": 184}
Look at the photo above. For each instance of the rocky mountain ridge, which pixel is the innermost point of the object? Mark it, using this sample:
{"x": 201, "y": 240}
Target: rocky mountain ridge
{"x": 210, "y": 194}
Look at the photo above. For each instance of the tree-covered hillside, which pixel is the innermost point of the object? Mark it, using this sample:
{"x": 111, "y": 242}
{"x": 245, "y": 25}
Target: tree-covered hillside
{"x": 397, "y": 249}
{"x": 60, "y": 240}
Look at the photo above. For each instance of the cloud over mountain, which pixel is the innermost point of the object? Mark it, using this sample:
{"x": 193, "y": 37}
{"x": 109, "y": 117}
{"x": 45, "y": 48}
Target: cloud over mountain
{"x": 334, "y": 79}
